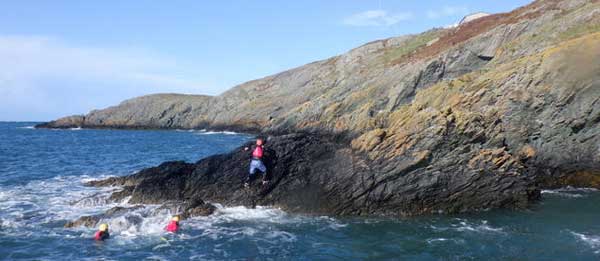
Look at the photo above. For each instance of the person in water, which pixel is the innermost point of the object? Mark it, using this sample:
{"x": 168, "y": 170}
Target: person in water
{"x": 173, "y": 225}
{"x": 256, "y": 163}
{"x": 102, "y": 233}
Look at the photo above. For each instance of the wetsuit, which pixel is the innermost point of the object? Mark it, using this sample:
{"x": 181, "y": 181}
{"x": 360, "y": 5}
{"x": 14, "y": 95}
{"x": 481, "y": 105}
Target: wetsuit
{"x": 173, "y": 226}
{"x": 101, "y": 235}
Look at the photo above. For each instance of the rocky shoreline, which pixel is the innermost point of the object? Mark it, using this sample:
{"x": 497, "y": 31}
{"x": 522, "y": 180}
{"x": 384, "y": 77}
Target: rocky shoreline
{"x": 317, "y": 176}
{"x": 471, "y": 118}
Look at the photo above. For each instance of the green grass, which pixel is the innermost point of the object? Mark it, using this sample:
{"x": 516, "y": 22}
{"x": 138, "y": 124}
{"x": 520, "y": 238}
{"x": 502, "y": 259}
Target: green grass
{"x": 578, "y": 31}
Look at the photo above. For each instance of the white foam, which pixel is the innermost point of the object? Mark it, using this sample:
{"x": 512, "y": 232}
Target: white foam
{"x": 49, "y": 200}
{"x": 282, "y": 236}
{"x": 240, "y": 213}
{"x": 260, "y": 222}
{"x": 76, "y": 129}
{"x": 333, "y": 223}
{"x": 562, "y": 194}
{"x": 65, "y": 198}
{"x": 465, "y": 225}
{"x": 592, "y": 241}
{"x": 441, "y": 240}
{"x": 136, "y": 224}
{"x": 203, "y": 132}
{"x": 570, "y": 192}
{"x": 433, "y": 240}
{"x": 27, "y": 127}
{"x": 8, "y": 224}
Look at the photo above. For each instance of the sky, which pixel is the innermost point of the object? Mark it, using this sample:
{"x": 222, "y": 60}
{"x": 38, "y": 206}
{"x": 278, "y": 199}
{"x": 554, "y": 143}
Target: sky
{"x": 60, "y": 58}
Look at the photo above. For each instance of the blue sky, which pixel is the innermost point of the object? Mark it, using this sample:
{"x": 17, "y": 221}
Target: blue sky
{"x": 67, "y": 57}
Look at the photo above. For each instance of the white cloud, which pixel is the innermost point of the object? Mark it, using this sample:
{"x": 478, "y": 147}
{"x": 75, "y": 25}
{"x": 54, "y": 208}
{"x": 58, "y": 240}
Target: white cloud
{"x": 376, "y": 18}
{"x": 447, "y": 11}
{"x": 42, "y": 78}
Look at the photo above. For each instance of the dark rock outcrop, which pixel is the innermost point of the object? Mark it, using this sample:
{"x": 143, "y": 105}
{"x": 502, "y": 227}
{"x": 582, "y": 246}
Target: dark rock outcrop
{"x": 317, "y": 175}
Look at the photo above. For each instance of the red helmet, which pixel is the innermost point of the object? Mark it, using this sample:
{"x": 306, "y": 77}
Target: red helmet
{"x": 259, "y": 142}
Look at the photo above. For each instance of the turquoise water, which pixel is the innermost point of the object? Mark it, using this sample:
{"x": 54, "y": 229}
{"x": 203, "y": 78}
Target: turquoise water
{"x": 41, "y": 172}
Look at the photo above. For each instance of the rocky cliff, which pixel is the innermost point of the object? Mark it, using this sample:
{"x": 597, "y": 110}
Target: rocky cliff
{"x": 317, "y": 175}
{"x": 473, "y": 117}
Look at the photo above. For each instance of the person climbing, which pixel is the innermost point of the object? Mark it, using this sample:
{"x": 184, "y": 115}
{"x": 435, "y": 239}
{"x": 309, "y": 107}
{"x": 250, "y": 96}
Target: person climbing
{"x": 102, "y": 233}
{"x": 256, "y": 163}
{"x": 173, "y": 225}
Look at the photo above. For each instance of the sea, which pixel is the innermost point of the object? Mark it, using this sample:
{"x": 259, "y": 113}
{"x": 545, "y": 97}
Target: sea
{"x": 42, "y": 172}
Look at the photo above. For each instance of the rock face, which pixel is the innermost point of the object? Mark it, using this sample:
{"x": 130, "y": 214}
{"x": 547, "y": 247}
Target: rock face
{"x": 317, "y": 175}
{"x": 474, "y": 117}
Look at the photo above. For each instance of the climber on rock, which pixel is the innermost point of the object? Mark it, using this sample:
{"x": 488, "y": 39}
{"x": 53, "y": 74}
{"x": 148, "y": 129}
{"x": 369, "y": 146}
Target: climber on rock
{"x": 256, "y": 163}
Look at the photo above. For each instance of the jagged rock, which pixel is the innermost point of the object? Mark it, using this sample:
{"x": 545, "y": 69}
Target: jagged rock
{"x": 187, "y": 209}
{"x": 310, "y": 174}
{"x": 122, "y": 194}
{"x": 197, "y": 207}
{"x": 92, "y": 221}
{"x": 85, "y": 221}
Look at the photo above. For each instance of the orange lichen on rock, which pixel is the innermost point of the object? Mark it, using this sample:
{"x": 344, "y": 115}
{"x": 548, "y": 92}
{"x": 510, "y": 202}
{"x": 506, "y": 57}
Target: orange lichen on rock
{"x": 369, "y": 140}
{"x": 492, "y": 159}
{"x": 527, "y": 152}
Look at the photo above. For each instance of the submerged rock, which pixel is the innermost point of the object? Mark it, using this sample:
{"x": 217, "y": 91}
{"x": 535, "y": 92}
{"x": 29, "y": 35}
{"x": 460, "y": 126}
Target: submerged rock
{"x": 92, "y": 221}
{"x": 185, "y": 209}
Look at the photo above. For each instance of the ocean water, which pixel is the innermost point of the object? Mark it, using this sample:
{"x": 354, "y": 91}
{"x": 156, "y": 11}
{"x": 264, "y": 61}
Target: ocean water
{"x": 41, "y": 175}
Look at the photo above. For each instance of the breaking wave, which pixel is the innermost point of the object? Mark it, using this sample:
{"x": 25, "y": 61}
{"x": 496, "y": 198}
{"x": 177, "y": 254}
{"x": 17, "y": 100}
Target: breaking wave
{"x": 65, "y": 198}
{"x": 464, "y": 225}
{"x": 593, "y": 241}
{"x": 204, "y": 132}
{"x": 41, "y": 189}
{"x": 569, "y": 192}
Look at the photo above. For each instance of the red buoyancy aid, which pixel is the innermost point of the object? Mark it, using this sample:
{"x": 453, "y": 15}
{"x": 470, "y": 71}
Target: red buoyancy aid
{"x": 101, "y": 235}
{"x": 258, "y": 152}
{"x": 172, "y": 226}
